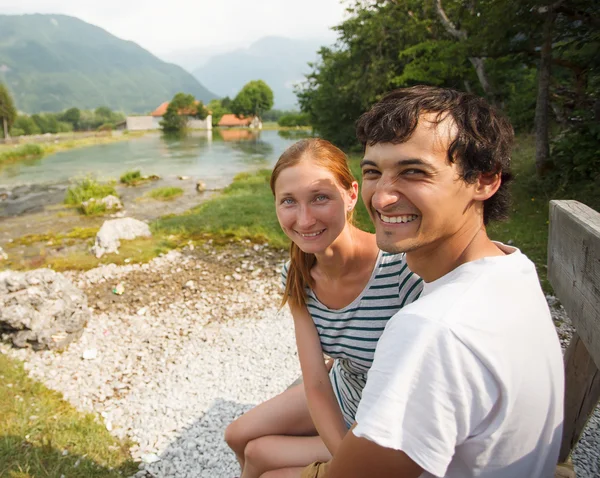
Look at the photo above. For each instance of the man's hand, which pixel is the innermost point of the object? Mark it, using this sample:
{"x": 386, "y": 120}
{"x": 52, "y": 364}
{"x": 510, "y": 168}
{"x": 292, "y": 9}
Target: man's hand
{"x": 362, "y": 458}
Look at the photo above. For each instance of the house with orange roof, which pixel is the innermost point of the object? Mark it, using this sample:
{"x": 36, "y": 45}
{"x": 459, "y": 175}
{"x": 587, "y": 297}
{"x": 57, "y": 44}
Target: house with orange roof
{"x": 230, "y": 120}
{"x": 152, "y": 121}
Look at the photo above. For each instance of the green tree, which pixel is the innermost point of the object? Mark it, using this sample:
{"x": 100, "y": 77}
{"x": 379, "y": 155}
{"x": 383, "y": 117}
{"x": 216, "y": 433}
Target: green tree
{"x": 218, "y": 109}
{"x": 72, "y": 116}
{"x": 8, "y": 112}
{"x": 26, "y": 124}
{"x": 201, "y": 112}
{"x": 175, "y": 118}
{"x": 253, "y": 100}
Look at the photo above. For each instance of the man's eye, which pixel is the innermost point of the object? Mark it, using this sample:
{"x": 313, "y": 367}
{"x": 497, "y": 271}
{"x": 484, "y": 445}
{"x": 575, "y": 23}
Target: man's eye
{"x": 411, "y": 172}
{"x": 370, "y": 172}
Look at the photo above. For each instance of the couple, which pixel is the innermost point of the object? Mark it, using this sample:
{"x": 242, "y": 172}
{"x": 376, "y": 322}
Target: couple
{"x": 466, "y": 378}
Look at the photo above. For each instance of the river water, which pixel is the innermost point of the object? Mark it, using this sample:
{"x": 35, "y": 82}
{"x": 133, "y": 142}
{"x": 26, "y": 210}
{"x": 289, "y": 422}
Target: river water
{"x": 32, "y": 191}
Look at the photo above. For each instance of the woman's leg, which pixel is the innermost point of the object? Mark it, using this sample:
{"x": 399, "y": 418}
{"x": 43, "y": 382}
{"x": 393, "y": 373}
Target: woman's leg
{"x": 284, "y": 473}
{"x": 282, "y": 455}
{"x": 285, "y": 414}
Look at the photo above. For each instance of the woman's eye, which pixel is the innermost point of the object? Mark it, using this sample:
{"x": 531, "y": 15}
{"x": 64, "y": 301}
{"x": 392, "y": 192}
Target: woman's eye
{"x": 287, "y": 201}
{"x": 321, "y": 198}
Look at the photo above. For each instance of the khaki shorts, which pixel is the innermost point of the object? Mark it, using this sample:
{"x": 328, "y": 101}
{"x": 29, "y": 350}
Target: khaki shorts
{"x": 315, "y": 470}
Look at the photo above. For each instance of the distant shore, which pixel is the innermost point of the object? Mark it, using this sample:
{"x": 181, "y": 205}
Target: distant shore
{"x": 38, "y": 146}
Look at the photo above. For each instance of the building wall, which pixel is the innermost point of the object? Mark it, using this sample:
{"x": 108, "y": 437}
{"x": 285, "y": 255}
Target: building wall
{"x": 142, "y": 123}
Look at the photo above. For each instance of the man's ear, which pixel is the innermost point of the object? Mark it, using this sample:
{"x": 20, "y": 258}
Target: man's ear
{"x": 487, "y": 185}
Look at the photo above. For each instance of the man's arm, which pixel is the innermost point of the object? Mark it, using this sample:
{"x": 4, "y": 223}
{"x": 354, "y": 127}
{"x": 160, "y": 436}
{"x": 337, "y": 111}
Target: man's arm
{"x": 362, "y": 458}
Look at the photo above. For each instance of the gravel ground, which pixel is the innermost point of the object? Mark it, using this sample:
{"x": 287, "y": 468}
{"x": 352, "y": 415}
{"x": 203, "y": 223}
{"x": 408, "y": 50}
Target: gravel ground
{"x": 194, "y": 341}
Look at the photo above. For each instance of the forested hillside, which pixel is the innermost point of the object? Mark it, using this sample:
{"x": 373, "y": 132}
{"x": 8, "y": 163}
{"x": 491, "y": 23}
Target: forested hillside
{"x": 53, "y": 62}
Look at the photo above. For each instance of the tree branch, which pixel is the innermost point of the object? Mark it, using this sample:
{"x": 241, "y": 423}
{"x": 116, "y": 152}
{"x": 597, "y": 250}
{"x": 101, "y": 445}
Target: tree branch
{"x": 450, "y": 28}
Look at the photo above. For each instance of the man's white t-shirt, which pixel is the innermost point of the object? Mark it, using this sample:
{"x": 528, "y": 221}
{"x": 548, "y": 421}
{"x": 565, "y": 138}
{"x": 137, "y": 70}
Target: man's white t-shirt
{"x": 468, "y": 380}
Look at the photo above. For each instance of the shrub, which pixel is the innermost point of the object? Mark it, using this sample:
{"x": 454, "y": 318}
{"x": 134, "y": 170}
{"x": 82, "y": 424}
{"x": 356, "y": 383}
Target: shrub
{"x": 22, "y": 152}
{"x": 92, "y": 207}
{"x": 165, "y": 193}
{"x": 88, "y": 188}
{"x": 106, "y": 127}
{"x": 294, "y": 119}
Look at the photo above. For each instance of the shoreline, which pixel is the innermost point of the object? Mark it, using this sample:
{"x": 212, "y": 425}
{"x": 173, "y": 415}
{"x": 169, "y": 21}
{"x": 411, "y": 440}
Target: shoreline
{"x": 23, "y": 150}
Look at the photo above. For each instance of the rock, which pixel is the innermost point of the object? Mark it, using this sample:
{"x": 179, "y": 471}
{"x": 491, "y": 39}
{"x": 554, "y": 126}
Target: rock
{"x": 112, "y": 203}
{"x": 150, "y": 458}
{"x": 90, "y": 354}
{"x": 109, "y": 235}
{"x": 183, "y": 178}
{"x": 190, "y": 285}
{"x": 3, "y": 255}
{"x": 41, "y": 308}
{"x": 200, "y": 186}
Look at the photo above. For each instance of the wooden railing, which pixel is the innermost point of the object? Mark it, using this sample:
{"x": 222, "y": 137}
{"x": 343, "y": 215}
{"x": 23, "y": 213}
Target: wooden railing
{"x": 574, "y": 272}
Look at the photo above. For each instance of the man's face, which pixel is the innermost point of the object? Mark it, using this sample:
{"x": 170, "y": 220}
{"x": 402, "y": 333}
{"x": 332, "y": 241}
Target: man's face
{"x": 414, "y": 195}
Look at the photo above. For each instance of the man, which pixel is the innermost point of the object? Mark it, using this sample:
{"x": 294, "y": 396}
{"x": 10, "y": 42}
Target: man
{"x": 468, "y": 380}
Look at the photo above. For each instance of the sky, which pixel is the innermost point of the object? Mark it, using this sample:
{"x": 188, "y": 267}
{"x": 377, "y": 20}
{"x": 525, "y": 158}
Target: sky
{"x": 164, "y": 26}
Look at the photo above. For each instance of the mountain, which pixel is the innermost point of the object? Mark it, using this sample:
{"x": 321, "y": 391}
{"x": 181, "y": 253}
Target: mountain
{"x": 280, "y": 62}
{"x": 53, "y": 62}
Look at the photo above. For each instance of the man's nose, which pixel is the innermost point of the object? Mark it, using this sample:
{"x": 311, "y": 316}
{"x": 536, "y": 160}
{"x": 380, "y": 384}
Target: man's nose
{"x": 385, "y": 195}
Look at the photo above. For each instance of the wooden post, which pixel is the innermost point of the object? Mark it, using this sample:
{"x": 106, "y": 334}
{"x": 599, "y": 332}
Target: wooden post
{"x": 574, "y": 272}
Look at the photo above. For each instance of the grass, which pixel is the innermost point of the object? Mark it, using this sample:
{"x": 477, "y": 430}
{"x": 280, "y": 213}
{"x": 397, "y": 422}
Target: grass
{"x": 41, "y": 435}
{"x": 25, "y": 151}
{"x": 88, "y": 188}
{"x": 244, "y": 210}
{"x": 10, "y": 153}
{"x": 165, "y": 193}
{"x": 131, "y": 178}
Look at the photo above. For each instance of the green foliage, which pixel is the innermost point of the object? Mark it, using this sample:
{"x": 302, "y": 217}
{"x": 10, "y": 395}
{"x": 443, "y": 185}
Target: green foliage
{"x": 180, "y": 107}
{"x": 201, "y": 112}
{"x": 73, "y": 63}
{"x": 25, "y": 124}
{"x": 8, "y": 112}
{"x": 22, "y": 152}
{"x": 71, "y": 116}
{"x": 37, "y": 426}
{"x": 131, "y": 178}
{"x": 106, "y": 127}
{"x": 253, "y": 100}
{"x": 88, "y": 188}
{"x": 576, "y": 159}
{"x": 165, "y": 193}
{"x": 218, "y": 109}
{"x": 294, "y": 119}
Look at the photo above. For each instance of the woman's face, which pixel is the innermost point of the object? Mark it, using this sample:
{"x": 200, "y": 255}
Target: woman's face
{"x": 311, "y": 205}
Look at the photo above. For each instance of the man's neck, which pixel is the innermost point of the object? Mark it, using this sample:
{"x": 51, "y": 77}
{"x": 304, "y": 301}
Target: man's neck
{"x": 438, "y": 259}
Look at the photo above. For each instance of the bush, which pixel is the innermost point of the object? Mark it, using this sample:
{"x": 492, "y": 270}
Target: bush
{"x": 131, "y": 178}
{"x": 165, "y": 193}
{"x": 88, "y": 188}
{"x": 294, "y": 119}
{"x": 17, "y": 132}
{"x": 106, "y": 127}
{"x": 92, "y": 207}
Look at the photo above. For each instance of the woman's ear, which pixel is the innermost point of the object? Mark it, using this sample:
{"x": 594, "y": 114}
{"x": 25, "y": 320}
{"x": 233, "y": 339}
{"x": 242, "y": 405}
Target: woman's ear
{"x": 353, "y": 195}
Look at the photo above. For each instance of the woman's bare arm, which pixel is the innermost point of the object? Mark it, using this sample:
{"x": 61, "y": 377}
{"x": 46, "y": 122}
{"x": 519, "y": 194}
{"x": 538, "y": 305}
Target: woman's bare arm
{"x": 322, "y": 404}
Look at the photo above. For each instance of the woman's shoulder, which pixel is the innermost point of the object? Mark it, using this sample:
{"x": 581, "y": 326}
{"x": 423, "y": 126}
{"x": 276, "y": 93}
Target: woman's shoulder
{"x": 390, "y": 261}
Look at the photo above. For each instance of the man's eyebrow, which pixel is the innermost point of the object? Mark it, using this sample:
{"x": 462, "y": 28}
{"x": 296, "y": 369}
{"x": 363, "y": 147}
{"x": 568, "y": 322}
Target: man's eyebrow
{"x": 402, "y": 162}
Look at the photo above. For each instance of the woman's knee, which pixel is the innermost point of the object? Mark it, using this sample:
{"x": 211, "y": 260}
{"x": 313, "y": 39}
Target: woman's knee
{"x": 235, "y": 436}
{"x": 256, "y": 453}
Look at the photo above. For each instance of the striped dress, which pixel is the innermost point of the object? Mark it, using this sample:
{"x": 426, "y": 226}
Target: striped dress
{"x": 349, "y": 335}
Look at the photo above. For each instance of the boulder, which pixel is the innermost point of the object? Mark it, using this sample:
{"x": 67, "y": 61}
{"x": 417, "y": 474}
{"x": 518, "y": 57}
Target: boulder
{"x": 113, "y": 230}
{"x": 200, "y": 186}
{"x": 3, "y": 255}
{"x": 41, "y": 309}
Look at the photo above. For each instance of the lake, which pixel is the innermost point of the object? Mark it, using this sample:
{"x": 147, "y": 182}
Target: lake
{"x": 214, "y": 157}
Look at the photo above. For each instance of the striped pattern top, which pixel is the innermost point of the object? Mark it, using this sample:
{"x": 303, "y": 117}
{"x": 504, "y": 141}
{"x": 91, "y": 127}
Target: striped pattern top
{"x": 350, "y": 334}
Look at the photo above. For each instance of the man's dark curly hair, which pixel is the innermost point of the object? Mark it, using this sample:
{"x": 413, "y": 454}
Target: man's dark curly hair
{"x": 482, "y": 144}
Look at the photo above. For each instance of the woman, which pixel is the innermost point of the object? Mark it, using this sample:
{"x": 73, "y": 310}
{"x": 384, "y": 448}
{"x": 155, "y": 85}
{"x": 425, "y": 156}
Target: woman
{"x": 341, "y": 290}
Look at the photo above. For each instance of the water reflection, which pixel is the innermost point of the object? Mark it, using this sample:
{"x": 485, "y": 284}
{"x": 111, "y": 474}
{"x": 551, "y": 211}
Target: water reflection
{"x": 213, "y": 156}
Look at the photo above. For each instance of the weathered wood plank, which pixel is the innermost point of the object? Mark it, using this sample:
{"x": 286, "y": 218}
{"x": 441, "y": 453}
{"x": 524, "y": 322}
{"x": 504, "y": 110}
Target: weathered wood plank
{"x": 574, "y": 268}
{"x": 582, "y": 392}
